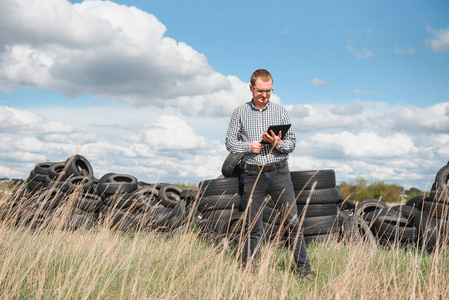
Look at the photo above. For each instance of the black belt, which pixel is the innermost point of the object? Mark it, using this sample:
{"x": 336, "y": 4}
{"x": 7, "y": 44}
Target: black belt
{"x": 266, "y": 168}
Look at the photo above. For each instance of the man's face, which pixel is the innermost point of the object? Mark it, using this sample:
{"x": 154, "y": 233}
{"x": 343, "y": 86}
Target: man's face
{"x": 261, "y": 98}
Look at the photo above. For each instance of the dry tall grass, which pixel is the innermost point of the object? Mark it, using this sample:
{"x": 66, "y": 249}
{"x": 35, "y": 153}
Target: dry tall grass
{"x": 103, "y": 264}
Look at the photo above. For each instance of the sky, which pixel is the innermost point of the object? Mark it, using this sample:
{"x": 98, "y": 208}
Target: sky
{"x": 146, "y": 88}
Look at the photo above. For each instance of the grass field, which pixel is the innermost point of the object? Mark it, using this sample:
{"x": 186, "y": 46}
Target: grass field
{"x": 106, "y": 265}
{"x": 103, "y": 264}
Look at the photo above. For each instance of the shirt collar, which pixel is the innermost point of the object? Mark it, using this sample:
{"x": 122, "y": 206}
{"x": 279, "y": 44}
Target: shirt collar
{"x": 254, "y": 107}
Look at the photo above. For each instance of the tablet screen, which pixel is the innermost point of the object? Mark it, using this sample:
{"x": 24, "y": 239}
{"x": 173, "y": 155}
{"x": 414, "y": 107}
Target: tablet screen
{"x": 276, "y": 128}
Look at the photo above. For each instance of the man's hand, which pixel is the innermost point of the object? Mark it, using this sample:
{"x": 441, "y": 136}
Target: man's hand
{"x": 272, "y": 138}
{"x": 255, "y": 147}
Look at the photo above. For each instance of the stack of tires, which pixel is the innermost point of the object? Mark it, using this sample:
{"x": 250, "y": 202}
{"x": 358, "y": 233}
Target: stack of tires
{"x": 317, "y": 198}
{"x": 217, "y": 207}
{"x": 432, "y": 219}
{"x": 37, "y": 180}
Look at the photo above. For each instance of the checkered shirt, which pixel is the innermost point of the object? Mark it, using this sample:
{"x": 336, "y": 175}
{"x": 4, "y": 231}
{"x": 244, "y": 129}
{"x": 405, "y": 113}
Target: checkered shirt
{"x": 246, "y": 126}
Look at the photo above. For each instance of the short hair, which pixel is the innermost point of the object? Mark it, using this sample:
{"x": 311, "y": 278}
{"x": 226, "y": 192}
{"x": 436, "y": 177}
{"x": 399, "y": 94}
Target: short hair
{"x": 264, "y": 75}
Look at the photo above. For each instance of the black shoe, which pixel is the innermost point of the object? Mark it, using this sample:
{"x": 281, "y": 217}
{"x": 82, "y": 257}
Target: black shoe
{"x": 305, "y": 275}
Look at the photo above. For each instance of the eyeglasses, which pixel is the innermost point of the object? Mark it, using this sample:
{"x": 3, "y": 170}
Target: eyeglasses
{"x": 262, "y": 91}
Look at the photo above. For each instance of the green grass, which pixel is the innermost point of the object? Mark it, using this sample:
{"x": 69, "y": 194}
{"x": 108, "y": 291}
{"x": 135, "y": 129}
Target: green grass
{"x": 103, "y": 264}
{"x": 107, "y": 265}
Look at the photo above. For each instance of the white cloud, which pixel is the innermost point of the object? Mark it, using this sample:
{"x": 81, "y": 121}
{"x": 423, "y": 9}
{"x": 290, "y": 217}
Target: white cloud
{"x": 7, "y": 172}
{"x": 440, "y": 39}
{"x": 398, "y": 50}
{"x": 434, "y": 118}
{"x": 312, "y": 118}
{"x": 369, "y": 92}
{"x": 170, "y": 132}
{"x": 359, "y": 53}
{"x": 316, "y": 81}
{"x": 365, "y": 144}
{"x": 362, "y": 139}
{"x": 17, "y": 120}
{"x": 351, "y": 109}
{"x": 106, "y": 50}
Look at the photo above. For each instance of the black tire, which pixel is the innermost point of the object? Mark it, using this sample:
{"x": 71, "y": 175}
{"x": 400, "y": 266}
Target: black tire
{"x": 322, "y": 224}
{"x": 104, "y": 178}
{"x": 315, "y": 210}
{"x": 189, "y": 196}
{"x": 118, "y": 184}
{"x": 78, "y": 165}
{"x": 386, "y": 215}
{"x": 416, "y": 202}
{"x": 50, "y": 199}
{"x": 132, "y": 202}
{"x": 220, "y": 186}
{"x": 227, "y": 224}
{"x": 216, "y": 214}
{"x": 55, "y": 184}
{"x": 170, "y": 195}
{"x": 442, "y": 178}
{"x": 174, "y": 219}
{"x": 406, "y": 210}
{"x": 143, "y": 198}
{"x": 42, "y": 168}
{"x": 158, "y": 217}
{"x": 432, "y": 233}
{"x": 78, "y": 221}
{"x": 396, "y": 233}
{"x": 35, "y": 186}
{"x": 88, "y": 203}
{"x": 369, "y": 205}
{"x": 231, "y": 165}
{"x": 318, "y": 196}
{"x": 37, "y": 176}
{"x": 122, "y": 221}
{"x": 218, "y": 202}
{"x": 436, "y": 210}
{"x": 219, "y": 220}
{"x": 355, "y": 229}
{"x": 57, "y": 171}
{"x": 305, "y": 179}
{"x": 79, "y": 183}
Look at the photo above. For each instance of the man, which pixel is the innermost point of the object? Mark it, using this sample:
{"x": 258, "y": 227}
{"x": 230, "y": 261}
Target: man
{"x": 247, "y": 129}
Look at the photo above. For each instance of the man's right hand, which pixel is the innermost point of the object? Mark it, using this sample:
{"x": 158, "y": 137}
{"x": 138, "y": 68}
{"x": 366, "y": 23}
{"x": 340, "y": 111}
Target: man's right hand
{"x": 256, "y": 147}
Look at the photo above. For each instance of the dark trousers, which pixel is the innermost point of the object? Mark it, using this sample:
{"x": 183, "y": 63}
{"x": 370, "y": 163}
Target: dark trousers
{"x": 278, "y": 184}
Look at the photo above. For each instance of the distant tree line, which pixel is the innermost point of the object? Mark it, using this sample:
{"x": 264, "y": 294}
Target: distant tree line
{"x": 359, "y": 190}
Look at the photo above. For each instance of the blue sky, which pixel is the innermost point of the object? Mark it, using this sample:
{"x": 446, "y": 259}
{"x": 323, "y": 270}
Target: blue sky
{"x": 147, "y": 87}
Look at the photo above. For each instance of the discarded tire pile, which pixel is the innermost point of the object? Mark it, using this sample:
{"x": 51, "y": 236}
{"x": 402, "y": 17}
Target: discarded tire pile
{"x": 218, "y": 207}
{"x": 66, "y": 195}
{"x": 422, "y": 221}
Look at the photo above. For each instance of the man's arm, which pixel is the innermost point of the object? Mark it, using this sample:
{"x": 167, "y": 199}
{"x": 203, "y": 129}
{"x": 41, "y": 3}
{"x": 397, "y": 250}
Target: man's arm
{"x": 233, "y": 141}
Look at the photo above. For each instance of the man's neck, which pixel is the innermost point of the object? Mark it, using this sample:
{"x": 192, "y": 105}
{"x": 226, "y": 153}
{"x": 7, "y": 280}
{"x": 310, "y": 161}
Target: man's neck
{"x": 258, "y": 107}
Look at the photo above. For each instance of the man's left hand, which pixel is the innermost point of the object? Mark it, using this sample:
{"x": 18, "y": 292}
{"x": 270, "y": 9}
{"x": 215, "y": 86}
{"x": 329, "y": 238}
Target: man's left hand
{"x": 272, "y": 138}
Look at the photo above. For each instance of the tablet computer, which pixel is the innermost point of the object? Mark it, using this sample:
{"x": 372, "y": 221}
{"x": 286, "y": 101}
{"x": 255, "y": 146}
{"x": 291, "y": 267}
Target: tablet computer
{"x": 276, "y": 128}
